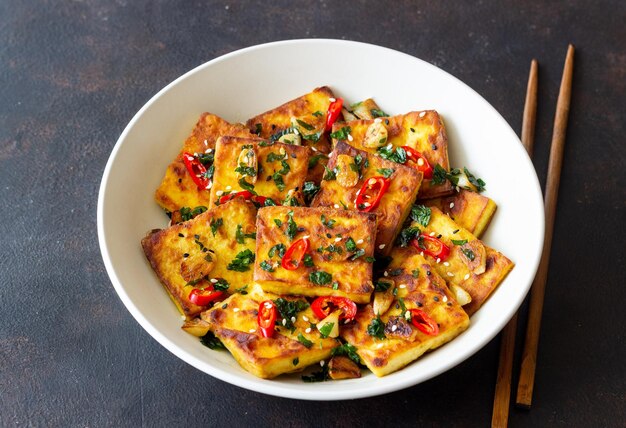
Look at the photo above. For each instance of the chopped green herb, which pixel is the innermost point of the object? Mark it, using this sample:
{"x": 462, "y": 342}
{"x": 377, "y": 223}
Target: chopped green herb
{"x": 278, "y": 222}
{"x": 277, "y": 249}
{"x": 329, "y": 174}
{"x": 310, "y": 189}
{"x": 211, "y": 341}
{"x": 415, "y": 273}
{"x": 402, "y": 305}
{"x": 292, "y": 227}
{"x": 258, "y": 128}
{"x": 370, "y": 259}
{"x": 395, "y": 272}
{"x": 341, "y": 134}
{"x": 271, "y": 157}
{"x": 305, "y": 125}
{"x": 459, "y": 241}
{"x": 319, "y": 376}
{"x": 296, "y": 361}
{"x": 378, "y": 113}
{"x": 382, "y": 285}
{"x": 440, "y": 175}
{"x": 421, "y": 214}
{"x": 407, "y": 235}
{"x": 278, "y": 180}
{"x": 315, "y": 159}
{"x": 246, "y": 186}
{"x": 350, "y": 244}
{"x": 306, "y": 342}
{"x": 468, "y": 253}
{"x": 326, "y": 329}
{"x": 335, "y": 285}
{"x": 269, "y": 202}
{"x": 478, "y": 182}
{"x": 242, "y": 290}
{"x": 289, "y": 309}
{"x": 358, "y": 253}
{"x": 242, "y": 261}
{"x": 376, "y": 328}
{"x": 347, "y": 350}
{"x": 315, "y": 137}
{"x": 266, "y": 266}
{"x": 318, "y": 114}
{"x": 308, "y": 260}
{"x": 320, "y": 277}
{"x": 221, "y": 284}
{"x": 215, "y": 224}
{"x": 285, "y": 167}
{"x": 187, "y": 213}
{"x": 329, "y": 223}
{"x": 397, "y": 154}
{"x": 246, "y": 170}
{"x": 386, "y": 172}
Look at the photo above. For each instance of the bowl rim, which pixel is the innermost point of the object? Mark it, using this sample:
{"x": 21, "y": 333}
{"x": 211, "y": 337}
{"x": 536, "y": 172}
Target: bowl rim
{"x": 268, "y": 386}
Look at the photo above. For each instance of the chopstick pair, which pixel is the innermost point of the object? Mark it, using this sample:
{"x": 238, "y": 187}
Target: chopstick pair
{"x": 526, "y": 381}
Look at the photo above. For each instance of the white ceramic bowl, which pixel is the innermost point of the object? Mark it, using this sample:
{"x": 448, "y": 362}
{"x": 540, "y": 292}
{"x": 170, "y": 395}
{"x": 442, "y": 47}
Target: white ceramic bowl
{"x": 243, "y": 83}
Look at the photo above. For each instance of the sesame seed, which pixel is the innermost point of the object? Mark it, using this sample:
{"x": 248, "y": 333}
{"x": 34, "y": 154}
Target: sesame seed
{"x": 451, "y": 204}
{"x": 336, "y": 206}
{"x": 378, "y": 120}
{"x": 422, "y": 114}
{"x": 450, "y": 274}
{"x": 402, "y": 286}
{"x": 381, "y": 246}
{"x": 386, "y": 273}
{"x": 219, "y": 192}
{"x": 389, "y": 146}
{"x": 305, "y": 318}
{"x": 438, "y": 260}
{"x": 208, "y": 186}
{"x": 195, "y": 154}
{"x": 183, "y": 317}
{"x": 446, "y": 264}
{"x": 371, "y": 182}
{"x": 252, "y": 330}
{"x": 337, "y": 239}
{"x": 346, "y": 321}
{"x": 422, "y": 253}
{"x": 420, "y": 162}
{"x": 228, "y": 188}
{"x": 432, "y": 233}
{"x": 332, "y": 100}
{"x": 308, "y": 330}
{"x": 293, "y": 319}
{"x": 281, "y": 150}
{"x": 445, "y": 298}
{"x": 207, "y": 151}
{"x": 366, "y": 204}
{"x": 407, "y": 314}
{"x": 380, "y": 345}
{"x": 360, "y": 241}
{"x": 295, "y": 131}
{"x": 235, "y": 309}
{"x": 322, "y": 363}
{"x": 350, "y": 137}
{"x": 306, "y": 236}
{"x": 457, "y": 189}
{"x": 314, "y": 149}
{"x": 466, "y": 277}
{"x": 284, "y": 321}
{"x": 206, "y": 143}
{"x": 394, "y": 327}
{"x": 213, "y": 281}
{"x": 268, "y": 305}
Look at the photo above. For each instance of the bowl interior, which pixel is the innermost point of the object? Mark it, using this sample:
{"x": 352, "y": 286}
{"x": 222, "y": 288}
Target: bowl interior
{"x": 244, "y": 83}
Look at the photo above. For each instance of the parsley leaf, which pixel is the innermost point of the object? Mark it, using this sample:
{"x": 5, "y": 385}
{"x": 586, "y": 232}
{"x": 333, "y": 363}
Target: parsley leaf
{"x": 397, "y": 154}
{"x": 242, "y": 261}
{"x": 319, "y": 376}
{"x": 271, "y": 157}
{"x": 386, "y": 172}
{"x": 310, "y": 189}
{"x": 459, "y": 241}
{"x": 329, "y": 223}
{"x": 246, "y": 186}
{"x": 215, "y": 224}
{"x": 440, "y": 175}
{"x": 378, "y": 113}
{"x": 350, "y": 244}
{"x": 266, "y": 266}
{"x": 382, "y": 285}
{"x": 376, "y": 328}
{"x": 318, "y": 114}
{"x": 292, "y": 227}
{"x": 306, "y": 342}
{"x": 305, "y": 125}
{"x": 211, "y": 341}
{"x": 329, "y": 174}
{"x": 277, "y": 249}
{"x": 326, "y": 329}
{"x": 415, "y": 273}
{"x": 278, "y": 180}
{"x": 315, "y": 159}
{"x": 221, "y": 284}
{"x": 468, "y": 253}
{"x": 320, "y": 277}
{"x": 406, "y": 235}
{"x": 289, "y": 309}
{"x": 421, "y": 214}
{"x": 348, "y": 350}
{"x": 478, "y": 182}
{"x": 342, "y": 134}
{"x": 308, "y": 260}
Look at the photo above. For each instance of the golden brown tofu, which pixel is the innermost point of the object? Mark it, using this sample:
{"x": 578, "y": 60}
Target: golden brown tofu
{"x": 423, "y": 131}
{"x": 338, "y": 260}
{"x": 275, "y": 171}
{"x": 305, "y": 114}
{"x": 470, "y": 210}
{"x": 352, "y": 169}
{"x": 177, "y": 189}
{"x": 398, "y": 342}
{"x": 292, "y": 347}
{"x": 471, "y": 265}
{"x": 191, "y": 254}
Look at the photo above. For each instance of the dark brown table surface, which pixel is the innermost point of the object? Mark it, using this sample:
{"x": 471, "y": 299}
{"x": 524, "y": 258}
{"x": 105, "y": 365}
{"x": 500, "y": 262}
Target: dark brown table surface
{"x": 72, "y": 74}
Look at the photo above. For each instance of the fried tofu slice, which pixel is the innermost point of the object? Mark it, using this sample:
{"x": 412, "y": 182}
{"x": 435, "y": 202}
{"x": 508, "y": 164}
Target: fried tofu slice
{"x": 214, "y": 246}
{"x": 294, "y": 345}
{"x": 300, "y": 121}
{"x": 417, "y": 286}
{"x": 471, "y": 265}
{"x": 351, "y": 169}
{"x": 423, "y": 131}
{"x": 470, "y": 210}
{"x": 177, "y": 189}
{"x": 276, "y": 171}
{"x": 339, "y": 255}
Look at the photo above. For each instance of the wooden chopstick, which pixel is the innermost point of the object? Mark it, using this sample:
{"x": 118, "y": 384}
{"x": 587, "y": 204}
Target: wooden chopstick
{"x": 502, "y": 397}
{"x": 529, "y": 355}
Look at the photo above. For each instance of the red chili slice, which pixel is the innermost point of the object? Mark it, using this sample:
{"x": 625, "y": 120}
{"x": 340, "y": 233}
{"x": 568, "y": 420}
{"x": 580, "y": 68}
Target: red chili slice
{"x": 267, "y": 318}
{"x": 246, "y": 194}
{"x": 431, "y": 246}
{"x": 334, "y": 109}
{"x": 294, "y": 254}
{"x": 323, "y": 306}
{"x": 203, "y": 297}
{"x": 424, "y": 323}
{"x": 370, "y": 194}
{"x": 197, "y": 171}
{"x": 414, "y": 156}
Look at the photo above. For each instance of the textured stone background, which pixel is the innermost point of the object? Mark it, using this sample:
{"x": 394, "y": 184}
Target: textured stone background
{"x": 72, "y": 74}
